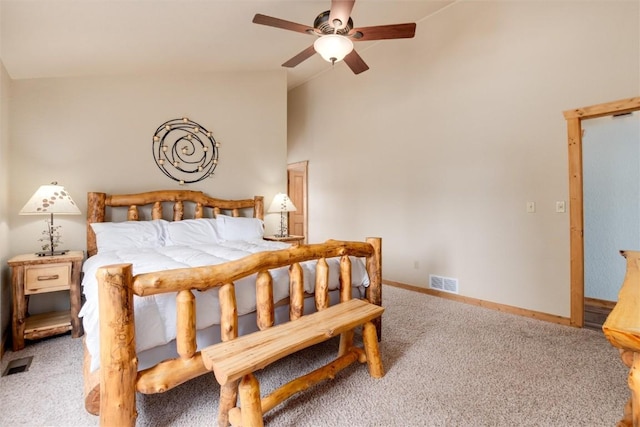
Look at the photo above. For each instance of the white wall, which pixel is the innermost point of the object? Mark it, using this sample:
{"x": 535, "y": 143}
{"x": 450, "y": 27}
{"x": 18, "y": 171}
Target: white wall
{"x": 95, "y": 134}
{"x": 611, "y": 194}
{"x": 438, "y": 147}
{"x": 5, "y": 283}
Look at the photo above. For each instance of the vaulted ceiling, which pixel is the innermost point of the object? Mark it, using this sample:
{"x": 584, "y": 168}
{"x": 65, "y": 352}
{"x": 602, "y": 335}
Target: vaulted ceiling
{"x": 63, "y": 38}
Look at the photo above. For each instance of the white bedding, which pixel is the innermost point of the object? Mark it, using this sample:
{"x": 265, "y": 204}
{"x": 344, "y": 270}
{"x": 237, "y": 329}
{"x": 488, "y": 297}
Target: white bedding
{"x": 156, "y": 315}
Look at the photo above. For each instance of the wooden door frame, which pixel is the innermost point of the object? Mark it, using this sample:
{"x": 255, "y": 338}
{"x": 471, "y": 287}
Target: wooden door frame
{"x": 576, "y": 208}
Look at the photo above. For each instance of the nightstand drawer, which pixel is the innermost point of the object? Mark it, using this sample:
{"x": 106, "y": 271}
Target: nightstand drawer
{"x": 47, "y": 278}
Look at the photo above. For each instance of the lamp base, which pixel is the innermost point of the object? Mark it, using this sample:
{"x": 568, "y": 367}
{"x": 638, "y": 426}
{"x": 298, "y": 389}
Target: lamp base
{"x": 52, "y": 253}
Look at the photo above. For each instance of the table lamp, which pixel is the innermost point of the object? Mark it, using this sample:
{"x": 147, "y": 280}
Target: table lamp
{"x": 48, "y": 200}
{"x": 282, "y": 203}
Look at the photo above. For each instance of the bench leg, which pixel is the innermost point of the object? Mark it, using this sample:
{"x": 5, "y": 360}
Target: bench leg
{"x": 370, "y": 340}
{"x": 228, "y": 400}
{"x": 250, "y": 405}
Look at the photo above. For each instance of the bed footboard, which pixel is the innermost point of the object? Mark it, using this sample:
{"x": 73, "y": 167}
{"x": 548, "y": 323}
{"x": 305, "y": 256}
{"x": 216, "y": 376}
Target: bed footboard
{"x": 119, "y": 376}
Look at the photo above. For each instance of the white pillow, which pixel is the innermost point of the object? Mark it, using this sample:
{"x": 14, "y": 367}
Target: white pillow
{"x": 240, "y": 228}
{"x": 193, "y": 232}
{"x": 130, "y": 234}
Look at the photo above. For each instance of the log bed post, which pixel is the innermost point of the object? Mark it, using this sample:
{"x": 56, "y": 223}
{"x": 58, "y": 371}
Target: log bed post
{"x": 374, "y": 268}
{"x": 118, "y": 361}
{"x": 258, "y": 207}
{"x": 95, "y": 213}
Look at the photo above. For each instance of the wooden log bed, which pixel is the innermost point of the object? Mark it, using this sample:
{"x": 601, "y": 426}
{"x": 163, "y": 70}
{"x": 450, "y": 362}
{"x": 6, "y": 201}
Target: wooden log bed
{"x": 110, "y": 390}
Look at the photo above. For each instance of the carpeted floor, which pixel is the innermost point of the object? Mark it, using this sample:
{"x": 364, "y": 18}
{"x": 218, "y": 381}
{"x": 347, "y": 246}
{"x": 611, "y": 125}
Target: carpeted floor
{"x": 447, "y": 364}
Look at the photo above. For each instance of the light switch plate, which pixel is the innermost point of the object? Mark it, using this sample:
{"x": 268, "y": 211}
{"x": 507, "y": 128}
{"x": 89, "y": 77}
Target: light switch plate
{"x": 531, "y": 207}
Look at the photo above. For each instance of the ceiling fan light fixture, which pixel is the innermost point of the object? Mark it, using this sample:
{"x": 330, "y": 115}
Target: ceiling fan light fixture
{"x": 333, "y": 47}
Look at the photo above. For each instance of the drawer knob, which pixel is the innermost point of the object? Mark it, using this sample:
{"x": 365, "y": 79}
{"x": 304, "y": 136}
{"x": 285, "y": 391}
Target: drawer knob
{"x": 50, "y": 277}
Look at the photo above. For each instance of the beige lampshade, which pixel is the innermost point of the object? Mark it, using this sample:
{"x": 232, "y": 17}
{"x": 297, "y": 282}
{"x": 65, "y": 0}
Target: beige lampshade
{"x": 281, "y": 203}
{"x": 50, "y": 199}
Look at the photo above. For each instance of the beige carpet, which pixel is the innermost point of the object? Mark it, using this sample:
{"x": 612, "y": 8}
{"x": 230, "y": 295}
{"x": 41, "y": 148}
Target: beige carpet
{"x": 447, "y": 364}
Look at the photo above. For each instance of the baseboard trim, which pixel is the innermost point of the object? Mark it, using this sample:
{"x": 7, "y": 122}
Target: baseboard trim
{"x": 486, "y": 304}
{"x": 596, "y": 312}
{"x": 599, "y": 303}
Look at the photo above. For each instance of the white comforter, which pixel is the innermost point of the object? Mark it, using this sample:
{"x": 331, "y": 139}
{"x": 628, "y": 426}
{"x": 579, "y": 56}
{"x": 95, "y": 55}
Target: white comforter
{"x": 156, "y": 315}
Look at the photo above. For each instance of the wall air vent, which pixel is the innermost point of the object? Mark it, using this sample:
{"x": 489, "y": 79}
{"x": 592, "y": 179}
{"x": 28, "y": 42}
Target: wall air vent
{"x": 436, "y": 282}
{"x": 445, "y": 284}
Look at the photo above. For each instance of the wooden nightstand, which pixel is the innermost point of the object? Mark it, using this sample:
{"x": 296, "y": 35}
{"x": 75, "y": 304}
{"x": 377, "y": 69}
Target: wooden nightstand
{"x": 32, "y": 274}
{"x": 294, "y": 240}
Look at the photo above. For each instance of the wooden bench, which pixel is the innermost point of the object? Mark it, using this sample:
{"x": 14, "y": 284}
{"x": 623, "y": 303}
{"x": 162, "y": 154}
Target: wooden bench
{"x": 235, "y": 360}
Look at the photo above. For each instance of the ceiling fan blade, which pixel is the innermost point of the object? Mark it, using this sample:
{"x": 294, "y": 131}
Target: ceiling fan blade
{"x": 305, "y": 54}
{"x": 384, "y": 32}
{"x": 341, "y": 11}
{"x": 355, "y": 62}
{"x": 281, "y": 23}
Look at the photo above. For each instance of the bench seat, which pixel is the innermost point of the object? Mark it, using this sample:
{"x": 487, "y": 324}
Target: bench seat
{"x": 233, "y": 359}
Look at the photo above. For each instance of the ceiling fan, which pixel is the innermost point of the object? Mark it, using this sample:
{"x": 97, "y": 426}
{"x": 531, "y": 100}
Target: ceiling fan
{"x": 336, "y": 34}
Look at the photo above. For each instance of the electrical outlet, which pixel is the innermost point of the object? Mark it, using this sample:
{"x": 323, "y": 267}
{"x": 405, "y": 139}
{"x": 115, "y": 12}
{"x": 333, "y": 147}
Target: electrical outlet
{"x": 531, "y": 207}
{"x": 561, "y": 207}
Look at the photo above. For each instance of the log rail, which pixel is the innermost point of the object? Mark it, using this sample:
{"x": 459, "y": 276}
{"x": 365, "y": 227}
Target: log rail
{"x": 119, "y": 378}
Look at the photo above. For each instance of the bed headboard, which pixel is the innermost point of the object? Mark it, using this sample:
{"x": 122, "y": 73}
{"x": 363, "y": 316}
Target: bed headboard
{"x": 195, "y": 201}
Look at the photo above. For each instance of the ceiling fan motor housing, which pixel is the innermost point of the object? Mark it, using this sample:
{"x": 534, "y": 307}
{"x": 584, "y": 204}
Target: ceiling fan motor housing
{"x": 322, "y": 24}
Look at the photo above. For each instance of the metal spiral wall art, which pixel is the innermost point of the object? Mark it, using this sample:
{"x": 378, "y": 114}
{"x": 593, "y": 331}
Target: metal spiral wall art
{"x": 185, "y": 151}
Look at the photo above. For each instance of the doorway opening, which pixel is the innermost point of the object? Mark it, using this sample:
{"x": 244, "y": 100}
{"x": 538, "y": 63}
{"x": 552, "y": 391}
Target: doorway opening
{"x": 576, "y": 209}
{"x": 297, "y": 190}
